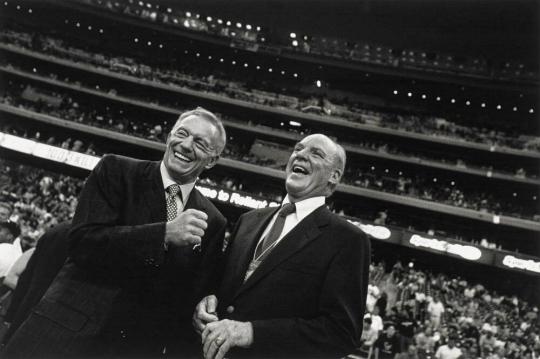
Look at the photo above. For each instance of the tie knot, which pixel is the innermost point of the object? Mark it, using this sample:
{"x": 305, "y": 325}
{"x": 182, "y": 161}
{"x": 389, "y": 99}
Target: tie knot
{"x": 173, "y": 189}
{"x": 287, "y": 209}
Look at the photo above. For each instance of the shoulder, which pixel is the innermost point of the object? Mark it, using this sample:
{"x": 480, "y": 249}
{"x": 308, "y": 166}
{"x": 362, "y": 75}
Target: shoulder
{"x": 208, "y": 207}
{"x": 347, "y": 230}
{"x": 256, "y": 214}
{"x": 123, "y": 164}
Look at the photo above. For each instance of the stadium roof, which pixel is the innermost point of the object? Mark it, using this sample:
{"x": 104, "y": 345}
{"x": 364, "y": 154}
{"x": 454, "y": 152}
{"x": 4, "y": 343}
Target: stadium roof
{"x": 500, "y": 29}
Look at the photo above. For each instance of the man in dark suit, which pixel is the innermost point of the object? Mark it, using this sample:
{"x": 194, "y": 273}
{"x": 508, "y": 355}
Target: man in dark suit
{"x": 296, "y": 278}
{"x": 145, "y": 246}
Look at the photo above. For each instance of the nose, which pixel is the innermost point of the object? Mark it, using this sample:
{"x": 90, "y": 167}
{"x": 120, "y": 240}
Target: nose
{"x": 302, "y": 154}
{"x": 187, "y": 143}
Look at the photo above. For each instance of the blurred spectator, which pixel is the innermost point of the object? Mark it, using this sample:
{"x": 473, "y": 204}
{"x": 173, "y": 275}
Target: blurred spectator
{"x": 435, "y": 309}
{"x": 448, "y": 350}
{"x": 10, "y": 250}
{"x": 388, "y": 344}
{"x": 369, "y": 336}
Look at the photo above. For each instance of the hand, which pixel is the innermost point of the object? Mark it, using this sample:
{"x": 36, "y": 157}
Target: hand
{"x": 205, "y": 312}
{"x": 186, "y": 229}
{"x": 219, "y": 337}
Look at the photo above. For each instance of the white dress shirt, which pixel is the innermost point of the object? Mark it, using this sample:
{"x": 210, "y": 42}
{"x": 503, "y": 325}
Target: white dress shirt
{"x": 303, "y": 209}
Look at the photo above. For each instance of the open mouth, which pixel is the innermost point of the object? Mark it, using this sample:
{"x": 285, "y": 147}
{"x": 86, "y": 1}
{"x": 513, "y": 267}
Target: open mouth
{"x": 299, "y": 170}
{"x": 182, "y": 157}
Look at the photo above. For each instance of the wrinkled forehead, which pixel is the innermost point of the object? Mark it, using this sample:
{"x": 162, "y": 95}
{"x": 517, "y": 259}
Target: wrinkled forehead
{"x": 198, "y": 125}
{"x": 321, "y": 142}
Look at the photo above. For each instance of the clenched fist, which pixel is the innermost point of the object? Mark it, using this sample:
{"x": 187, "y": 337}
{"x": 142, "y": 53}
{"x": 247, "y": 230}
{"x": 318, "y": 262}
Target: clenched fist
{"x": 186, "y": 229}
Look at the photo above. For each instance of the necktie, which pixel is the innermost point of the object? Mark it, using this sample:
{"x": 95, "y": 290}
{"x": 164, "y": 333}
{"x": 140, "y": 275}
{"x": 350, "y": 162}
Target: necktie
{"x": 172, "y": 208}
{"x": 276, "y": 229}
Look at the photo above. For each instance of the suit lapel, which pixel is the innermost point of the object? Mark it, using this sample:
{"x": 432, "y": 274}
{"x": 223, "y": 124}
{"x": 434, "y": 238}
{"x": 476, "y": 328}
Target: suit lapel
{"x": 154, "y": 194}
{"x": 244, "y": 246}
{"x": 295, "y": 240}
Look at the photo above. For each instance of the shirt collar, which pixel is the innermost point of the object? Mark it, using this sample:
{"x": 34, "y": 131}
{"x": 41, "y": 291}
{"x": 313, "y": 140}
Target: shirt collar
{"x": 167, "y": 181}
{"x": 306, "y": 206}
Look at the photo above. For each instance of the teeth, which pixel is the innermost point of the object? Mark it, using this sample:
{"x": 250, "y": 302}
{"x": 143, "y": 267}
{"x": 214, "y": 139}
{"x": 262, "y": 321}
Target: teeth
{"x": 182, "y": 157}
{"x": 298, "y": 169}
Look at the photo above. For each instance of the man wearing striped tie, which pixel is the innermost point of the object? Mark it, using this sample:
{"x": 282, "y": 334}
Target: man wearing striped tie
{"x": 296, "y": 278}
{"x": 145, "y": 247}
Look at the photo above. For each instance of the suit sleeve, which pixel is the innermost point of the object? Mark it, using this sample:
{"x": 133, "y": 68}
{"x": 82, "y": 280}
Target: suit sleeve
{"x": 98, "y": 241}
{"x": 338, "y": 327}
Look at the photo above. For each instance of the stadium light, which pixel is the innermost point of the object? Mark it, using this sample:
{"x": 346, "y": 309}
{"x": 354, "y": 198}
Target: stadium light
{"x": 295, "y": 74}
{"x": 258, "y": 28}
{"x": 318, "y": 83}
{"x": 424, "y": 96}
{"x": 101, "y": 31}
{"x": 453, "y": 100}
{"x": 514, "y": 109}
{"x": 468, "y": 103}
{"x": 221, "y": 60}
{"x": 295, "y": 43}
{"x": 219, "y": 21}
{"x": 248, "y": 26}
{"x": 188, "y": 14}
{"x": 409, "y": 94}
{"x": 29, "y": 11}
{"x": 136, "y": 39}
{"x": 531, "y": 110}
{"x": 233, "y": 62}
{"x": 270, "y": 69}
{"x": 228, "y": 23}
{"x": 483, "y": 104}
{"x": 238, "y": 25}
{"x": 246, "y": 64}
{"x": 169, "y": 10}
{"x": 396, "y": 92}
{"x": 258, "y": 67}
{"x": 499, "y": 107}
{"x": 209, "y": 57}
{"x": 208, "y": 18}
{"x": 438, "y": 98}
{"x": 292, "y": 35}
{"x": 89, "y": 28}
{"x": 78, "y": 24}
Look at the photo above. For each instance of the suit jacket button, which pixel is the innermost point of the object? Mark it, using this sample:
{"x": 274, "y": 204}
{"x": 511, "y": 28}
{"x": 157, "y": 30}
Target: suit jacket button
{"x": 230, "y": 309}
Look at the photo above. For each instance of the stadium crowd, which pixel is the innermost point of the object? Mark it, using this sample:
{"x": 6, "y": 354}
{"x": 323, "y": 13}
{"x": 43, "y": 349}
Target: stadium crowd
{"x": 221, "y": 84}
{"x": 362, "y": 174}
{"x": 242, "y": 152}
{"x": 410, "y": 311}
{"x": 432, "y": 315}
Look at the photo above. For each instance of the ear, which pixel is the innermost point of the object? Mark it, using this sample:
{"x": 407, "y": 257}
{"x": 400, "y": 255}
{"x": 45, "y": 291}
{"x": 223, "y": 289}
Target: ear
{"x": 212, "y": 162}
{"x": 335, "y": 178}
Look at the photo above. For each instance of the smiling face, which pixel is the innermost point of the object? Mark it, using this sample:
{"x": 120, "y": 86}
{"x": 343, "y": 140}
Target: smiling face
{"x": 192, "y": 147}
{"x": 314, "y": 168}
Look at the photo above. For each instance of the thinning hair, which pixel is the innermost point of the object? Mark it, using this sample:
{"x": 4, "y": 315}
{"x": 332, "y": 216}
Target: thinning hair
{"x": 213, "y": 119}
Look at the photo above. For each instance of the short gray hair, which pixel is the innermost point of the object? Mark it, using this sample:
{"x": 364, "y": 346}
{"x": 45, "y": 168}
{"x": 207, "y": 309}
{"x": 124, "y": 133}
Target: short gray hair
{"x": 213, "y": 119}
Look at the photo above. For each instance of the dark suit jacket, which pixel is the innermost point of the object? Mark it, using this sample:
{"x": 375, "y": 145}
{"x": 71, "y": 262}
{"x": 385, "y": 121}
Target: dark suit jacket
{"x": 121, "y": 293}
{"x": 47, "y": 259}
{"x": 307, "y": 298}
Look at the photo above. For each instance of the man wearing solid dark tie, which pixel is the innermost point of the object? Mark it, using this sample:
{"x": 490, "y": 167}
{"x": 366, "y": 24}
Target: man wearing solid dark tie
{"x": 296, "y": 277}
{"x": 145, "y": 247}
